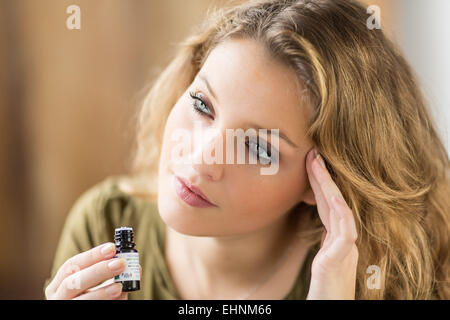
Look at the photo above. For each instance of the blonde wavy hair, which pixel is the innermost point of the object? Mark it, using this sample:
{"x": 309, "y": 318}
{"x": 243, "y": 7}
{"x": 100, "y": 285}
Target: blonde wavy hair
{"x": 369, "y": 120}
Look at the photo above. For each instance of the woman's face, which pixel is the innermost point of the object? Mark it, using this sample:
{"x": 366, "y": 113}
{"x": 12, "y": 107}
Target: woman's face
{"x": 247, "y": 89}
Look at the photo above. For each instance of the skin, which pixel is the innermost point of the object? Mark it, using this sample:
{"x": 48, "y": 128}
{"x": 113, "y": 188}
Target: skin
{"x": 89, "y": 275}
{"x": 221, "y": 252}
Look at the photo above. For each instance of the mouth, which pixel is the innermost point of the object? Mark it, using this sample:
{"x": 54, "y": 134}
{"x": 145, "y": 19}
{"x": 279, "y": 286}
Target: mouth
{"x": 190, "y": 194}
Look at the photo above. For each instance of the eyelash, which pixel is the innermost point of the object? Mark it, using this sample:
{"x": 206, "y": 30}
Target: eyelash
{"x": 195, "y": 97}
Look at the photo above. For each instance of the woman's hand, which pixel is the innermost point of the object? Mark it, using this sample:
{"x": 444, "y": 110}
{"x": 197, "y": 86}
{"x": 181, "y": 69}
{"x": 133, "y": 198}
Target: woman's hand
{"x": 333, "y": 271}
{"x": 76, "y": 278}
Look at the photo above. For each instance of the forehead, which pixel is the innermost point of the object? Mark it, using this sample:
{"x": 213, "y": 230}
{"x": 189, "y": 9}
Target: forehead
{"x": 252, "y": 87}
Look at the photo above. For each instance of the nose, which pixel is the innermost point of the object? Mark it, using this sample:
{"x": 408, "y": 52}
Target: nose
{"x": 207, "y": 156}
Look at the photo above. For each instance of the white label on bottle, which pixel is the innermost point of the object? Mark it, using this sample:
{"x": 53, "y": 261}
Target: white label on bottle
{"x": 131, "y": 271}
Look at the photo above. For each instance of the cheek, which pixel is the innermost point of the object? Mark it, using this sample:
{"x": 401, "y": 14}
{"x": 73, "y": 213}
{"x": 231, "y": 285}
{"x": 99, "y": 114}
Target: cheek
{"x": 269, "y": 197}
{"x": 179, "y": 119}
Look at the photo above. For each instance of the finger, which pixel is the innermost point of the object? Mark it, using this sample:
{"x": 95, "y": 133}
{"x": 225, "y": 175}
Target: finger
{"x": 324, "y": 235}
{"x": 81, "y": 261}
{"x": 347, "y": 235}
{"x": 89, "y": 277}
{"x": 123, "y": 296}
{"x": 322, "y": 204}
{"x": 338, "y": 250}
{"x": 103, "y": 284}
{"x": 326, "y": 183}
{"x": 112, "y": 291}
{"x": 334, "y": 224}
{"x": 347, "y": 225}
{"x": 331, "y": 236}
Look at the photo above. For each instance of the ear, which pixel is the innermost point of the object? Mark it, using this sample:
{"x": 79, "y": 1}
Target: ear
{"x": 308, "y": 196}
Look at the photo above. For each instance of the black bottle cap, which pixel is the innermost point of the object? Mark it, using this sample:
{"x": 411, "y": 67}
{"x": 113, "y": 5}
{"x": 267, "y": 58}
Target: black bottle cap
{"x": 124, "y": 236}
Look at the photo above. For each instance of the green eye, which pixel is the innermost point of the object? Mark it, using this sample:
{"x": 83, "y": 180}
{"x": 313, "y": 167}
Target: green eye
{"x": 200, "y": 106}
{"x": 259, "y": 152}
{"x": 202, "y": 109}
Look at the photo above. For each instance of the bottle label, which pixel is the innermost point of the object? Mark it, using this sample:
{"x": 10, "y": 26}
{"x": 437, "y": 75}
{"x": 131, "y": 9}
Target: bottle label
{"x": 131, "y": 271}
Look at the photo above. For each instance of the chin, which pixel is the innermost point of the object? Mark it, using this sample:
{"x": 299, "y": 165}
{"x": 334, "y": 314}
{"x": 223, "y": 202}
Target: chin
{"x": 180, "y": 218}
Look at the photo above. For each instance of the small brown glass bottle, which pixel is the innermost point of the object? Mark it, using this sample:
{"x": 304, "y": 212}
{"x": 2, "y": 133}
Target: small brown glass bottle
{"x": 130, "y": 277}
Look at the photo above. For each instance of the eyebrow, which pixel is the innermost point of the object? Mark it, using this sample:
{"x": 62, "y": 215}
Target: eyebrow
{"x": 202, "y": 77}
{"x": 281, "y": 134}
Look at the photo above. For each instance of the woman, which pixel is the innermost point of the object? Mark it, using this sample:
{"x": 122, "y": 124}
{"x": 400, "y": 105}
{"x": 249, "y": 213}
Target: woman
{"x": 361, "y": 182}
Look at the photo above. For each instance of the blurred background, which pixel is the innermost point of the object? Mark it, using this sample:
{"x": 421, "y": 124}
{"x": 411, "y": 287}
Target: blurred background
{"x": 68, "y": 101}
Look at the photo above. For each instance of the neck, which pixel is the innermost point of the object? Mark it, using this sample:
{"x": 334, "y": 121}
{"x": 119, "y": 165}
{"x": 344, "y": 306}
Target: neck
{"x": 232, "y": 263}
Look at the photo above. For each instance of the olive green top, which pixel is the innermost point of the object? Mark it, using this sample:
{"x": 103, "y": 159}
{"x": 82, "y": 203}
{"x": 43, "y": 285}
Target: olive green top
{"x": 104, "y": 207}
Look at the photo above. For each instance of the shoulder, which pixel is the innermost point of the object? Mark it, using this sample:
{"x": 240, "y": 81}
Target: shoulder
{"x": 107, "y": 205}
{"x": 110, "y": 194}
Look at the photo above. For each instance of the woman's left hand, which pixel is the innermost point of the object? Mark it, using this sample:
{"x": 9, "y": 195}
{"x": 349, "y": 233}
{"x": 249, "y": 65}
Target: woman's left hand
{"x": 333, "y": 271}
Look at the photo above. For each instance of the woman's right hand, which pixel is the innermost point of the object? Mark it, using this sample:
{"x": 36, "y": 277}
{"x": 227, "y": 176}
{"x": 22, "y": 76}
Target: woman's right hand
{"x": 76, "y": 278}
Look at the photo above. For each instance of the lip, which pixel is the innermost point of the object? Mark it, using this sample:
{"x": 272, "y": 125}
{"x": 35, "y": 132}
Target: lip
{"x": 191, "y": 194}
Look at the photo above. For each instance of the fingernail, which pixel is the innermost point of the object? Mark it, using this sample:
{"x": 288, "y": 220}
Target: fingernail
{"x": 114, "y": 290}
{"x": 115, "y": 264}
{"x": 322, "y": 163}
{"x": 108, "y": 248}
